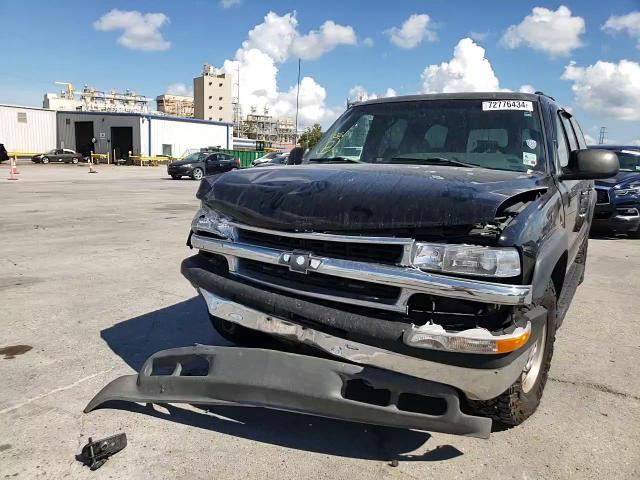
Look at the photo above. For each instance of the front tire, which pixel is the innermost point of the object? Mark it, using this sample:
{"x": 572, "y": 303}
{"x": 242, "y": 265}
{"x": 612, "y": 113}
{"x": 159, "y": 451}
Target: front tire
{"x": 197, "y": 174}
{"x": 45, "y": 159}
{"x": 522, "y": 398}
{"x": 635, "y": 234}
{"x": 74, "y": 161}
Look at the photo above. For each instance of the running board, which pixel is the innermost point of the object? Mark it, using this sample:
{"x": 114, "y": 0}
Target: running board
{"x": 569, "y": 287}
{"x": 212, "y": 375}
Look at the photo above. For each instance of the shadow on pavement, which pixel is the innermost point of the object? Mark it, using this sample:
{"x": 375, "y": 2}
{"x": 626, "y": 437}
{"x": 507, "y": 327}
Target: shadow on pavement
{"x": 180, "y": 325}
{"x": 186, "y": 323}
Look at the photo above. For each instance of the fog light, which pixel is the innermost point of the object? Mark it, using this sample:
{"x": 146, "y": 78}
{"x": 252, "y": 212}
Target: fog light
{"x": 476, "y": 340}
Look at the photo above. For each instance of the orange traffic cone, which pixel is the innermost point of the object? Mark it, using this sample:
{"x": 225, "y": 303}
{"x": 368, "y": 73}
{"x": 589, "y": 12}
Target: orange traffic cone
{"x": 15, "y": 165}
{"x": 91, "y": 169}
{"x": 12, "y": 170}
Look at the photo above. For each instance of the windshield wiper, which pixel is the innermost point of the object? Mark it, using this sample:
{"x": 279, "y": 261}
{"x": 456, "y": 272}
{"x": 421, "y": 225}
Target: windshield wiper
{"x": 434, "y": 161}
{"x": 334, "y": 160}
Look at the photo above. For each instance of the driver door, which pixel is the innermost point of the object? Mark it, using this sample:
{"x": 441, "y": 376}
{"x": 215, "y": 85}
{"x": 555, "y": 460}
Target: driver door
{"x": 575, "y": 193}
{"x": 211, "y": 164}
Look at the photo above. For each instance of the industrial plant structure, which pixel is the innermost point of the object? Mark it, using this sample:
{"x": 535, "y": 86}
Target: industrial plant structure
{"x": 212, "y": 95}
{"x": 92, "y": 100}
{"x": 178, "y": 105}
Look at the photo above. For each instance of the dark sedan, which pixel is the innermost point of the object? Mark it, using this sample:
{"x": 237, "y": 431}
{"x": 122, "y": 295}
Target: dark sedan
{"x": 60, "y": 155}
{"x": 200, "y": 164}
{"x": 618, "y": 198}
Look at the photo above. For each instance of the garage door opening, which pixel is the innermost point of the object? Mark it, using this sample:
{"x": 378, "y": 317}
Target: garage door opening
{"x": 84, "y": 137}
{"x": 121, "y": 142}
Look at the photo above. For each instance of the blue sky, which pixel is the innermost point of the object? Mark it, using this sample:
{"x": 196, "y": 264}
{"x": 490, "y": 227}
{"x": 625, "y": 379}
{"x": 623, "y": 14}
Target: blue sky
{"x": 64, "y": 42}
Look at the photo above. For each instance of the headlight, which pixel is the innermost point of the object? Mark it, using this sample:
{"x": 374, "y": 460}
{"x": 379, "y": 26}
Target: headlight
{"x": 210, "y": 221}
{"x": 187, "y": 165}
{"x": 467, "y": 259}
{"x": 633, "y": 189}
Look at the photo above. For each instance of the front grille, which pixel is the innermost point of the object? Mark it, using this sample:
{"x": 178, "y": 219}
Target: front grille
{"x": 365, "y": 252}
{"x": 602, "y": 196}
{"x": 318, "y": 283}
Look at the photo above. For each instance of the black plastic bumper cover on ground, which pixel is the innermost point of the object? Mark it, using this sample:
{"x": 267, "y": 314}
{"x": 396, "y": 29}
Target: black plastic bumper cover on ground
{"x": 297, "y": 383}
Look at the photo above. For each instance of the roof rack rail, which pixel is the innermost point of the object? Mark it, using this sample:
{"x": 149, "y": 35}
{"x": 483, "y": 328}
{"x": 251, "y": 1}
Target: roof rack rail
{"x": 542, "y": 93}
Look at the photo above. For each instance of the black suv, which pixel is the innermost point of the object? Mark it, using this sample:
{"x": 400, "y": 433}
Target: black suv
{"x": 4, "y": 156}
{"x": 201, "y": 164}
{"x": 618, "y": 205}
{"x": 427, "y": 249}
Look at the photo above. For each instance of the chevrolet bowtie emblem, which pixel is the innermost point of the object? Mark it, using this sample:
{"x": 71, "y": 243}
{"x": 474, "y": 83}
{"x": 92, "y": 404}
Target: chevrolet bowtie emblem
{"x": 300, "y": 262}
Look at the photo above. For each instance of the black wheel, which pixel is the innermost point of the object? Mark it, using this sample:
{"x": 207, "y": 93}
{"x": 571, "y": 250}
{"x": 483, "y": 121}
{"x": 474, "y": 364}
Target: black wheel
{"x": 45, "y": 159}
{"x": 74, "y": 160}
{"x": 635, "y": 234}
{"x": 523, "y": 397}
{"x": 237, "y": 333}
{"x": 197, "y": 174}
{"x": 176, "y": 177}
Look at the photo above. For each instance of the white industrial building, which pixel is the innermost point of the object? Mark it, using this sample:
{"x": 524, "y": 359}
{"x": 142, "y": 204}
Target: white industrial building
{"x": 141, "y": 134}
{"x": 27, "y": 129}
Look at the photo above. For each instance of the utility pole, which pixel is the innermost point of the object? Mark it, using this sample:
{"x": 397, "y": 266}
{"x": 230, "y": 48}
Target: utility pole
{"x": 603, "y": 135}
{"x": 295, "y": 136}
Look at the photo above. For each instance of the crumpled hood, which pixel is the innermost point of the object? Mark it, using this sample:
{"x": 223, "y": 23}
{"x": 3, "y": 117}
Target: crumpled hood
{"x": 363, "y": 197}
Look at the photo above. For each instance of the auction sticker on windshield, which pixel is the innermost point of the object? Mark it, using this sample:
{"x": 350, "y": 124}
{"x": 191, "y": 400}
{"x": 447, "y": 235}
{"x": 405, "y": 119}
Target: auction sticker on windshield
{"x": 507, "y": 105}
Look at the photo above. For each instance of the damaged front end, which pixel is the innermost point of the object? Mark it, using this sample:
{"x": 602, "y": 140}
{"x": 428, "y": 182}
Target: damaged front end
{"x": 418, "y": 320}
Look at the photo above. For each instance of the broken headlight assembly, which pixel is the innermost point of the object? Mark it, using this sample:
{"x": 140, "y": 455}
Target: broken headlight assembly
{"x": 633, "y": 189}
{"x": 467, "y": 259}
{"x": 210, "y": 221}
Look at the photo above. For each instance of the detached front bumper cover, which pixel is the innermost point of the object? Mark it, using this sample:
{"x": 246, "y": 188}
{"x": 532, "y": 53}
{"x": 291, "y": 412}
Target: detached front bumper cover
{"x": 208, "y": 375}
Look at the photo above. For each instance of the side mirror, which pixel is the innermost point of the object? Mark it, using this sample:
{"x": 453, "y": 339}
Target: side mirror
{"x": 295, "y": 156}
{"x": 591, "y": 164}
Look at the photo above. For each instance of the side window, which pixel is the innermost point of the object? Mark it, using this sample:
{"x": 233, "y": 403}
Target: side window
{"x": 573, "y": 143}
{"x": 562, "y": 147}
{"x": 582, "y": 144}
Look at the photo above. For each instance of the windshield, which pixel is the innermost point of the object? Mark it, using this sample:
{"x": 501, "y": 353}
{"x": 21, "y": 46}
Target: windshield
{"x": 629, "y": 160}
{"x": 502, "y": 135}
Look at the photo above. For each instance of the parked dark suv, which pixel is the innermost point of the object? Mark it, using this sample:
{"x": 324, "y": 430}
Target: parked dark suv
{"x": 426, "y": 249}
{"x": 4, "y": 156}
{"x": 618, "y": 206}
{"x": 200, "y": 164}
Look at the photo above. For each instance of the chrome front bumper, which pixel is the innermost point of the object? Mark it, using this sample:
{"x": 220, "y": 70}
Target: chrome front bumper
{"x": 479, "y": 384}
{"x": 408, "y": 279}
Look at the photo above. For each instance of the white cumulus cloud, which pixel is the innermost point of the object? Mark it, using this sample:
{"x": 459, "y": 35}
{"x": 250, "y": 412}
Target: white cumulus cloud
{"x": 629, "y": 23}
{"x": 526, "y": 88}
{"x": 230, "y": 3}
{"x": 467, "y": 71}
{"x": 316, "y": 43}
{"x": 556, "y": 33}
{"x": 413, "y": 31}
{"x": 140, "y": 31}
{"x": 611, "y": 89}
{"x": 269, "y": 44}
{"x": 358, "y": 93}
{"x": 179, "y": 88}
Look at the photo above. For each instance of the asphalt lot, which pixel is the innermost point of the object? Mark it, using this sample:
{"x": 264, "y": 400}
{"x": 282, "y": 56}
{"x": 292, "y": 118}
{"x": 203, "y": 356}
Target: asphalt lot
{"x": 90, "y": 284}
